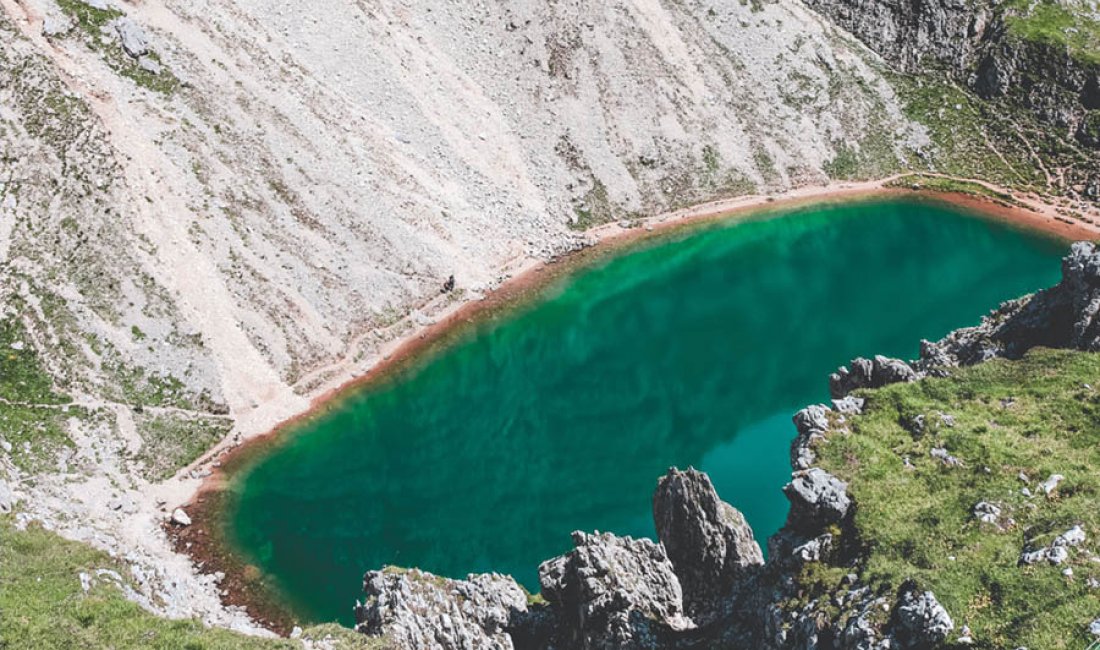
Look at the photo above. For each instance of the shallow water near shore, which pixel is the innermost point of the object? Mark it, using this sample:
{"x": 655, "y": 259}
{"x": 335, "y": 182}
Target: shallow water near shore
{"x": 559, "y": 415}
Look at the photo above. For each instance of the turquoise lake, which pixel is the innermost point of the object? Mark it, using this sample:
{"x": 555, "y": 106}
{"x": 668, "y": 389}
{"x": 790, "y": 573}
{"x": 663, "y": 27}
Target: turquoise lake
{"x": 694, "y": 348}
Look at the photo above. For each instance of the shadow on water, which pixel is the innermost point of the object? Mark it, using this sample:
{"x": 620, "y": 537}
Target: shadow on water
{"x": 692, "y": 351}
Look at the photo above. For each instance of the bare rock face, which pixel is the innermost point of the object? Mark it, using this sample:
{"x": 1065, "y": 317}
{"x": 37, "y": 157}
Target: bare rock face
{"x": 973, "y": 42}
{"x": 418, "y": 610}
{"x": 818, "y": 499}
{"x": 131, "y": 36}
{"x": 613, "y": 592}
{"x": 710, "y": 544}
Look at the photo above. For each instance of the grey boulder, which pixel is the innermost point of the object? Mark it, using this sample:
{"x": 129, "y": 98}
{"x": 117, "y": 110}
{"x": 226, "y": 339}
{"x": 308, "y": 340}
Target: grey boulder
{"x": 817, "y": 498}
{"x": 922, "y": 622}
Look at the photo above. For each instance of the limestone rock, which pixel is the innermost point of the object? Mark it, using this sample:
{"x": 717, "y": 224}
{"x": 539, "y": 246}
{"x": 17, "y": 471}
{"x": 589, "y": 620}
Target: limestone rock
{"x": 1064, "y": 316}
{"x": 849, "y": 405}
{"x": 1073, "y": 537}
{"x": 922, "y": 622}
{"x": 421, "y": 611}
{"x": 708, "y": 541}
{"x": 1051, "y": 484}
{"x": 987, "y": 512}
{"x": 131, "y": 36}
{"x": 613, "y": 592}
{"x": 180, "y": 517}
{"x": 812, "y": 423}
{"x": 870, "y": 373}
{"x": 817, "y": 499}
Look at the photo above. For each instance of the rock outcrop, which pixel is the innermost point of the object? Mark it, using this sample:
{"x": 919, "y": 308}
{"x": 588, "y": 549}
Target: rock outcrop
{"x": 708, "y": 541}
{"x": 1066, "y": 315}
{"x": 613, "y": 592}
{"x": 975, "y": 44}
{"x": 418, "y": 610}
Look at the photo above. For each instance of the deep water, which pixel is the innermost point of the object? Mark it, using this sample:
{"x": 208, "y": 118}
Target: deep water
{"x": 561, "y": 415}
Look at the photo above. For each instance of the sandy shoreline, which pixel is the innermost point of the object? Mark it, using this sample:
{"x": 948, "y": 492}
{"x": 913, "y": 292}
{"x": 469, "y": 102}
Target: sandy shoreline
{"x": 243, "y": 587}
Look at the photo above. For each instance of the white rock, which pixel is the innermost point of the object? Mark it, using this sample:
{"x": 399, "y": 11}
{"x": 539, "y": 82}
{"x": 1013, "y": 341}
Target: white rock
{"x": 180, "y": 517}
{"x": 54, "y": 26}
{"x": 1094, "y": 627}
{"x": 1073, "y": 537}
{"x": 149, "y": 64}
{"x": 18, "y": 345}
{"x": 1051, "y": 484}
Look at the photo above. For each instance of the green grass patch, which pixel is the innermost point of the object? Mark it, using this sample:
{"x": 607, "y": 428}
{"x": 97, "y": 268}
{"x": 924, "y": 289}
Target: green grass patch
{"x": 1066, "y": 24}
{"x": 1040, "y": 416}
{"x": 36, "y": 433}
{"x": 43, "y": 606}
{"x": 171, "y": 442}
{"x": 844, "y": 165}
{"x": 22, "y": 377}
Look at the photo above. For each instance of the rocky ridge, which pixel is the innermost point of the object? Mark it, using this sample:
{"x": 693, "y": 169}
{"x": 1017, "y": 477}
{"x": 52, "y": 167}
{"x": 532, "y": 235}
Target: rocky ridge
{"x": 705, "y": 585}
{"x": 1013, "y": 53}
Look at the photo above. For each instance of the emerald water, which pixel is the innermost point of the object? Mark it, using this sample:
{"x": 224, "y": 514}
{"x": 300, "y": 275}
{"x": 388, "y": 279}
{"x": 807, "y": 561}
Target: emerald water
{"x": 561, "y": 414}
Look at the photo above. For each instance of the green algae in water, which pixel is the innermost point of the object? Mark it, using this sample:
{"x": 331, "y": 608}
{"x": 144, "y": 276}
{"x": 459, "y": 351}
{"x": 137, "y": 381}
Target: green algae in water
{"x": 695, "y": 350}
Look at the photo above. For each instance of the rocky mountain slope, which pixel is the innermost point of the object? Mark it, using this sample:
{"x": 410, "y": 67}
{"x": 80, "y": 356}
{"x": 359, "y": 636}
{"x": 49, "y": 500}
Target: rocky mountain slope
{"x": 213, "y": 211}
{"x": 941, "y": 504}
{"x": 1037, "y": 62}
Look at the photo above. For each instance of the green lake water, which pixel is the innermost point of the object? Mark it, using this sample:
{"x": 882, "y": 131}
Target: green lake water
{"x": 561, "y": 414}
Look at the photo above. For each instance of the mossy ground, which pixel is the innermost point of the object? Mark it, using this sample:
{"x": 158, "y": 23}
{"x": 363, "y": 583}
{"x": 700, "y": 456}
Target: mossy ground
{"x": 170, "y": 442}
{"x": 43, "y": 605}
{"x": 1039, "y": 416}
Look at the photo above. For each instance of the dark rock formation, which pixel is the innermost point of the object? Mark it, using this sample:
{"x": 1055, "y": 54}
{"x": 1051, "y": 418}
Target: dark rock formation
{"x": 868, "y": 373}
{"x": 613, "y": 592}
{"x": 1066, "y": 315}
{"x": 971, "y": 41}
{"x": 811, "y": 423}
{"x": 419, "y": 610}
{"x": 710, "y": 544}
{"x": 921, "y": 621}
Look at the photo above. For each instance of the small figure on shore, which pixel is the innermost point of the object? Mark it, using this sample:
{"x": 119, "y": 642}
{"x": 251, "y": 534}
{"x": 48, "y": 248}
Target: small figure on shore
{"x": 449, "y": 285}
